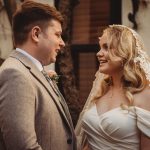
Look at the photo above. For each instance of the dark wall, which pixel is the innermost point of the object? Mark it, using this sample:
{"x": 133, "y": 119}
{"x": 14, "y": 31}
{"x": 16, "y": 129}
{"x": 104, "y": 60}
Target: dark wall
{"x": 115, "y": 11}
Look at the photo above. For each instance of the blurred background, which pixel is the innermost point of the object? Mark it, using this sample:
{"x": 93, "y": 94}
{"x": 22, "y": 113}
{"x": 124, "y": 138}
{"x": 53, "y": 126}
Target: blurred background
{"x": 84, "y": 21}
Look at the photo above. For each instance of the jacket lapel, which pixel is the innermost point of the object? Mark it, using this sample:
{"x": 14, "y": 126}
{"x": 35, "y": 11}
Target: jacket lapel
{"x": 40, "y": 77}
{"x": 64, "y": 104}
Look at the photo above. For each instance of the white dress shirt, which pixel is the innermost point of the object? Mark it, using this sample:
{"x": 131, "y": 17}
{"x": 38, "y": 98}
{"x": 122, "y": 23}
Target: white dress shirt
{"x": 35, "y": 61}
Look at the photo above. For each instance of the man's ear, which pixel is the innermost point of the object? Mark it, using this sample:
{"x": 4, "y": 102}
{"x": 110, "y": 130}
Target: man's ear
{"x": 35, "y": 32}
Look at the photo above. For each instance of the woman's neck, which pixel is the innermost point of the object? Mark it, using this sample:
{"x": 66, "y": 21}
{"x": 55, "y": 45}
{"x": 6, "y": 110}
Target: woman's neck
{"x": 117, "y": 83}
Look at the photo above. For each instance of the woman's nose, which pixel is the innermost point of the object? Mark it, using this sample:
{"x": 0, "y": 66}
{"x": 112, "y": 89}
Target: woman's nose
{"x": 100, "y": 53}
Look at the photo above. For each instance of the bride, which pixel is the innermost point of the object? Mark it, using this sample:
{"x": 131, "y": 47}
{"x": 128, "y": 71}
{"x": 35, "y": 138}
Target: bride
{"x": 116, "y": 115}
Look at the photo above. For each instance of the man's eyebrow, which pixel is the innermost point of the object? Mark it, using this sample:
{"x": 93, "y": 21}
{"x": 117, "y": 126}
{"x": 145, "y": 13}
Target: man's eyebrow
{"x": 60, "y": 32}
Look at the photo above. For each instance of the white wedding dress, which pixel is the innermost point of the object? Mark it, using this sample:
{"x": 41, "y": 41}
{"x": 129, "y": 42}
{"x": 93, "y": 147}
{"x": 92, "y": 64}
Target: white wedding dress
{"x": 116, "y": 129}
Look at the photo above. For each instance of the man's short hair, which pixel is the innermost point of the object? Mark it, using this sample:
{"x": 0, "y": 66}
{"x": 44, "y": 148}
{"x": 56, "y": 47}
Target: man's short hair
{"x": 31, "y": 14}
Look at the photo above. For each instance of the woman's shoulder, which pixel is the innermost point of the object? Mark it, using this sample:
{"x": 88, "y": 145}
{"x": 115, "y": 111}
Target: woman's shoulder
{"x": 142, "y": 99}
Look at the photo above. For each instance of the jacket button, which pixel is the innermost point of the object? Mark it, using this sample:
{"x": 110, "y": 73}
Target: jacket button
{"x": 69, "y": 141}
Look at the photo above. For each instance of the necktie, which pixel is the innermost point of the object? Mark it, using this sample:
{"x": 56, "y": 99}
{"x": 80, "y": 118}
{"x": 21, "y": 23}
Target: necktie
{"x": 60, "y": 96}
{"x": 50, "y": 81}
{"x": 56, "y": 90}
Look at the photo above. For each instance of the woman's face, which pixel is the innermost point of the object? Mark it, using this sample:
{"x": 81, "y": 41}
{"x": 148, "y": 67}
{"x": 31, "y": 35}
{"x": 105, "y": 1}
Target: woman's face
{"x": 107, "y": 65}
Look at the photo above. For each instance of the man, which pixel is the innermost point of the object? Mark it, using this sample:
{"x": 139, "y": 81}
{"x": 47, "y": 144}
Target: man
{"x": 33, "y": 113}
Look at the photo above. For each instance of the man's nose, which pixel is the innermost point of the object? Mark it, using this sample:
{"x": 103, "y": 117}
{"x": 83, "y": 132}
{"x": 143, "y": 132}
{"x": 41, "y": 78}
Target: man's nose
{"x": 62, "y": 43}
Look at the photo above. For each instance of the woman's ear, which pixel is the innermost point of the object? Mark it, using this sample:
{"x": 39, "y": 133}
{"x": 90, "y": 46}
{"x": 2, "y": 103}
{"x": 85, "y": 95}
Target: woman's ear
{"x": 35, "y": 32}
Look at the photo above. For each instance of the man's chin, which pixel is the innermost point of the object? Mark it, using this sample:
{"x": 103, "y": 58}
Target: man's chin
{"x": 52, "y": 61}
{"x": 49, "y": 62}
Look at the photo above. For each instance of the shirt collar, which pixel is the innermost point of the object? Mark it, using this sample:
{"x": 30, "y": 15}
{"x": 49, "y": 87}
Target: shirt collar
{"x": 35, "y": 61}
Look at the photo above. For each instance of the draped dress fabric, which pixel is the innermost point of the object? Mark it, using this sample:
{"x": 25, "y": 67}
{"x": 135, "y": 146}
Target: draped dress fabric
{"x": 117, "y": 129}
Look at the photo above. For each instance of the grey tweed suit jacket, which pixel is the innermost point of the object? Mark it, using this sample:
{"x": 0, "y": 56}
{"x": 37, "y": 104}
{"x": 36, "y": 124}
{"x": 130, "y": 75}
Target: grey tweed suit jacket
{"x": 31, "y": 114}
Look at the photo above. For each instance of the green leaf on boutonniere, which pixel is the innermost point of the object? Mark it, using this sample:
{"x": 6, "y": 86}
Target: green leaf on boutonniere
{"x": 55, "y": 78}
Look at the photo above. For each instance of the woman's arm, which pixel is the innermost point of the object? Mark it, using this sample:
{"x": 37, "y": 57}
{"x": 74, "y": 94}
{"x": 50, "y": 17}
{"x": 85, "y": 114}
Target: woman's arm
{"x": 144, "y": 104}
{"x": 145, "y": 142}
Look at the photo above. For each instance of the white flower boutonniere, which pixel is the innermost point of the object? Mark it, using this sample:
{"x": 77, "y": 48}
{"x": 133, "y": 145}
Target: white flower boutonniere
{"x": 53, "y": 76}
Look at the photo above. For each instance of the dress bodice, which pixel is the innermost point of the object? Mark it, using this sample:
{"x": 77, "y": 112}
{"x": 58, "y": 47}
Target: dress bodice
{"x": 116, "y": 129}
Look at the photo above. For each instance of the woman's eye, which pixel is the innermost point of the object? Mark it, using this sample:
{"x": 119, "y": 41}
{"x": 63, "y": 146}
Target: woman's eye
{"x": 105, "y": 46}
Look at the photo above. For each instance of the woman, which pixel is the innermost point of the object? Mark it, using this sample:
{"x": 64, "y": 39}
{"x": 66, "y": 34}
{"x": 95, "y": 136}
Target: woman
{"x": 116, "y": 115}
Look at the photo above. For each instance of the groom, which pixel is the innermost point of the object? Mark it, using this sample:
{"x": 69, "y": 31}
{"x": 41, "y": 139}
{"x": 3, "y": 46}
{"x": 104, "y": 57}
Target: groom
{"x": 33, "y": 113}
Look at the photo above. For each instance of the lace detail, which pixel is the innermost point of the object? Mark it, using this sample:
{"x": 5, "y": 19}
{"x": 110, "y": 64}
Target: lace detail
{"x": 144, "y": 63}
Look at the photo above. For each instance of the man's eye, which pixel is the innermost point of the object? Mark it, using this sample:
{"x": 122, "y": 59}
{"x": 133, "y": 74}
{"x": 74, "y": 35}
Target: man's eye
{"x": 58, "y": 35}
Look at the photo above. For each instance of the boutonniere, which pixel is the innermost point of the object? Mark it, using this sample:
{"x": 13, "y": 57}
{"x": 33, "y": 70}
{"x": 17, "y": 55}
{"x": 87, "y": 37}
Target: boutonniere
{"x": 53, "y": 76}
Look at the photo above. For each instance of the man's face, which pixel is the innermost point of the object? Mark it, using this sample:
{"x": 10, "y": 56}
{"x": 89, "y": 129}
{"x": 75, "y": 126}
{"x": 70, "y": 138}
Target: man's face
{"x": 50, "y": 43}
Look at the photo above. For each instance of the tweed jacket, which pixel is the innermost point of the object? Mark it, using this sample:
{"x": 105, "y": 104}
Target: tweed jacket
{"x": 33, "y": 116}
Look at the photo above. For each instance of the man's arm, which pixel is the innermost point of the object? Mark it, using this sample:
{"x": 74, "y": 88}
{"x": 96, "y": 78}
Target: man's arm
{"x": 17, "y": 111}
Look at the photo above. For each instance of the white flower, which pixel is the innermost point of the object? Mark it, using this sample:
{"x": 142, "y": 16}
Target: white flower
{"x": 53, "y": 76}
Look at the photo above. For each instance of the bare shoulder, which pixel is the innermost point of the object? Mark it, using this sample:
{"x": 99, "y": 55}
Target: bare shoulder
{"x": 142, "y": 99}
